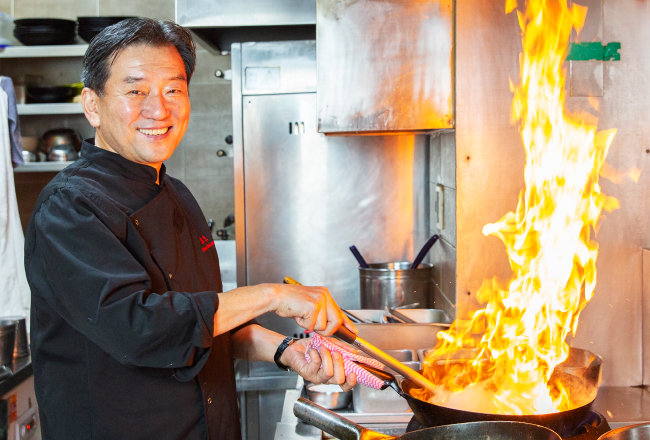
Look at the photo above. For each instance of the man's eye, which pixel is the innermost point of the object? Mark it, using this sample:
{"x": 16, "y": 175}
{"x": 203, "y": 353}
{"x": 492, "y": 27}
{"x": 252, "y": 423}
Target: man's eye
{"x": 136, "y": 92}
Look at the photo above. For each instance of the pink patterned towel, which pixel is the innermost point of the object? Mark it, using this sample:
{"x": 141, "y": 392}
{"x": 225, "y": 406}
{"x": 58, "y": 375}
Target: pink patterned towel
{"x": 349, "y": 361}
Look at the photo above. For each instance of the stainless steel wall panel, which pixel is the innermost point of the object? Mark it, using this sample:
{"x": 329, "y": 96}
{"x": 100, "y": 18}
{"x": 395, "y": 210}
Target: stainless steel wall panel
{"x": 384, "y": 65}
{"x": 490, "y": 160}
{"x": 302, "y": 198}
{"x": 309, "y": 197}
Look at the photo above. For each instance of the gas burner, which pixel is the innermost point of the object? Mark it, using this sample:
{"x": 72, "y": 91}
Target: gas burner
{"x": 591, "y": 428}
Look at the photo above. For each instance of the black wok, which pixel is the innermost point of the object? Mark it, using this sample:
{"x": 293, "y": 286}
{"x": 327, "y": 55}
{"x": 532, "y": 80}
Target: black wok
{"x": 580, "y": 373}
{"x": 345, "y": 429}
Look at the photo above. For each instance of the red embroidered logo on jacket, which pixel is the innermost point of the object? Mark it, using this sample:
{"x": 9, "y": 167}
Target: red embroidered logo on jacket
{"x": 205, "y": 243}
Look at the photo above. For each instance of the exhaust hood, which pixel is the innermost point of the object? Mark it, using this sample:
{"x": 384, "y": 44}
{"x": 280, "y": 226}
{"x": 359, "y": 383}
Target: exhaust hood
{"x": 219, "y": 23}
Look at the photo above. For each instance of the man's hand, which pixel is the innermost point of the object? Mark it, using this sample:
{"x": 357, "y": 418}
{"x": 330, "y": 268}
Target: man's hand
{"x": 313, "y": 308}
{"x": 324, "y": 366}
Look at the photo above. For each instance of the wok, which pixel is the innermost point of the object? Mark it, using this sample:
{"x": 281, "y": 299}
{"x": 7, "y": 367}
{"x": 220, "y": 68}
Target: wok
{"x": 580, "y": 374}
{"x": 345, "y": 429}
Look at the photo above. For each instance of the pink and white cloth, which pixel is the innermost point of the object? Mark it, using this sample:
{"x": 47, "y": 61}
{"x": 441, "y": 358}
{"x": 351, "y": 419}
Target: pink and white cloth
{"x": 350, "y": 360}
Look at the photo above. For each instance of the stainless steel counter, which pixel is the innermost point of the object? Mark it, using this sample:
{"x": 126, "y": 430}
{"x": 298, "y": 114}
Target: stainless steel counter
{"x": 621, "y": 406}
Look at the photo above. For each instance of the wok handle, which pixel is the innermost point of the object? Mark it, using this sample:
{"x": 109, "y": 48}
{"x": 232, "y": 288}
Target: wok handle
{"x": 347, "y": 336}
{"x": 327, "y": 420}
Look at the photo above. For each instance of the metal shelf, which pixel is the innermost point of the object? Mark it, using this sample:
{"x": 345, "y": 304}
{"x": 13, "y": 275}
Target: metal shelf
{"x": 64, "y": 50}
{"x": 41, "y": 167}
{"x": 63, "y": 108}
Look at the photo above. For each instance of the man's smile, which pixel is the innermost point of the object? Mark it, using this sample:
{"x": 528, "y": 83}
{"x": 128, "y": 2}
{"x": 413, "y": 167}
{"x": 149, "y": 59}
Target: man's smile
{"x": 153, "y": 131}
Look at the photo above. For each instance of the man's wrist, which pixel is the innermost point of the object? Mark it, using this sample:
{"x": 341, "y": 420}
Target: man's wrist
{"x": 286, "y": 342}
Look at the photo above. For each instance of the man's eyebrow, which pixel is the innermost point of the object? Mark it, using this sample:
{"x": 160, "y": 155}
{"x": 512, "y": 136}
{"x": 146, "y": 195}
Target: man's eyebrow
{"x": 132, "y": 79}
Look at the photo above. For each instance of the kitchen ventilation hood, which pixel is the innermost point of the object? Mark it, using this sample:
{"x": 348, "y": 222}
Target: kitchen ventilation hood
{"x": 219, "y": 23}
{"x": 385, "y": 66}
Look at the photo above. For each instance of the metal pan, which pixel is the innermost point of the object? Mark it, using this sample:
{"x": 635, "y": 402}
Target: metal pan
{"x": 580, "y": 374}
{"x": 345, "y": 429}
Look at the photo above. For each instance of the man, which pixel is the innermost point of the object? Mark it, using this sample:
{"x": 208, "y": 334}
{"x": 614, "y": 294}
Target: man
{"x": 131, "y": 337}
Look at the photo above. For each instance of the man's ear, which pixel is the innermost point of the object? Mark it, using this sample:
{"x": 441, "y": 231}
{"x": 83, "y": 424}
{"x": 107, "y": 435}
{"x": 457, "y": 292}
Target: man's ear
{"x": 90, "y": 104}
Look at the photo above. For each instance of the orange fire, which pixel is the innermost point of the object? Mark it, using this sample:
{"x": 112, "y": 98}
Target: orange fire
{"x": 500, "y": 361}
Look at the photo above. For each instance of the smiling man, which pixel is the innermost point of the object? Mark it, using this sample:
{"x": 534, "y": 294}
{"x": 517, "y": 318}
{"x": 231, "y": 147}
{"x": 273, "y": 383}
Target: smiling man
{"x": 131, "y": 335}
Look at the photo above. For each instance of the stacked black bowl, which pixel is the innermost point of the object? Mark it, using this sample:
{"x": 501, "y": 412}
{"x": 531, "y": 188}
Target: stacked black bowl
{"x": 38, "y": 31}
{"x": 91, "y": 26}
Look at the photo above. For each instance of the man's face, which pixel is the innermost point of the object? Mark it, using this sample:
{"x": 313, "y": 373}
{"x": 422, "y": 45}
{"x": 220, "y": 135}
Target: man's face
{"x": 145, "y": 108}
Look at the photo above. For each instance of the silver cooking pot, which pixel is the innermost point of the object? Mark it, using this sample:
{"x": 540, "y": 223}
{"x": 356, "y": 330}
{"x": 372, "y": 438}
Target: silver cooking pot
{"x": 345, "y": 429}
{"x": 640, "y": 431}
{"x": 395, "y": 284}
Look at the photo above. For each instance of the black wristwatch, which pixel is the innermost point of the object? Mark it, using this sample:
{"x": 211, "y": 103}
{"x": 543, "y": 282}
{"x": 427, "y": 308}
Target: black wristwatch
{"x": 278, "y": 353}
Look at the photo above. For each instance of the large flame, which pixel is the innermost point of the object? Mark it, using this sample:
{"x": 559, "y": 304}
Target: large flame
{"x": 518, "y": 338}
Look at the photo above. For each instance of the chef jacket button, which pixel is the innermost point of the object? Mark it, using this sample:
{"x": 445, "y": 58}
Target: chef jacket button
{"x": 209, "y": 400}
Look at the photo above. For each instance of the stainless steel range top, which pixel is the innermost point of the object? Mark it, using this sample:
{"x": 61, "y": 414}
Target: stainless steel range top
{"x": 621, "y": 406}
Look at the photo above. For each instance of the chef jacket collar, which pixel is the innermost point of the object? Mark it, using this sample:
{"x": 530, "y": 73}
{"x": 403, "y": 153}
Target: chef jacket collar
{"x": 120, "y": 165}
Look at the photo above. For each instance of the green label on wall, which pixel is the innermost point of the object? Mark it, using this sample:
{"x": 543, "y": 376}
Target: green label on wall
{"x": 594, "y": 51}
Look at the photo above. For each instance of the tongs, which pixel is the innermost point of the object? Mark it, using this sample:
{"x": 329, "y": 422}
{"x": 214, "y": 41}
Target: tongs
{"x": 345, "y": 335}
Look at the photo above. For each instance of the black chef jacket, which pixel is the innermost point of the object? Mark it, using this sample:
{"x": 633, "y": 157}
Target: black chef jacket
{"x": 124, "y": 278}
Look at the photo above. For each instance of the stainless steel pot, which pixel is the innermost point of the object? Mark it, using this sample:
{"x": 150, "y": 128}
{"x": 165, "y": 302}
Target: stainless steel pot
{"x": 59, "y": 136}
{"x": 345, "y": 429}
{"x": 62, "y": 153}
{"x": 21, "y": 346}
{"x": 394, "y": 284}
{"x": 329, "y": 396}
{"x": 640, "y": 431}
{"x": 7, "y": 341}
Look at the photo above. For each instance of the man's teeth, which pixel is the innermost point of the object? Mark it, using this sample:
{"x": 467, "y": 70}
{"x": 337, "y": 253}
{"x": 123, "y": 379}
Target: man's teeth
{"x": 156, "y": 132}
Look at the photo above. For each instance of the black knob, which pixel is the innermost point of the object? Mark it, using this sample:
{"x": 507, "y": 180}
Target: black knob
{"x": 229, "y": 139}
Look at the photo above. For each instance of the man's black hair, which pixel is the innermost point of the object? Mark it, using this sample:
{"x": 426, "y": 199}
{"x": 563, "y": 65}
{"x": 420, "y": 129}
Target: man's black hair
{"x": 105, "y": 46}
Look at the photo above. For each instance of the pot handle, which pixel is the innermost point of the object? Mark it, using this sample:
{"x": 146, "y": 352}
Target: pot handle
{"x": 423, "y": 251}
{"x": 327, "y": 420}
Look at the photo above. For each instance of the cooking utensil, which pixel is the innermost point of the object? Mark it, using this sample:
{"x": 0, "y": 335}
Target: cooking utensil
{"x": 50, "y": 94}
{"x": 358, "y": 256}
{"x": 59, "y": 136}
{"x": 62, "y": 153}
{"x": 21, "y": 348}
{"x": 328, "y": 396}
{"x": 579, "y": 374}
{"x": 345, "y": 429}
{"x": 400, "y": 316}
{"x": 41, "y": 31}
{"x": 7, "y": 341}
{"x": 29, "y": 156}
{"x": 347, "y": 336}
{"x": 394, "y": 284}
{"x": 89, "y": 27}
{"x": 371, "y": 400}
{"x": 639, "y": 431}
{"x": 354, "y": 318}
{"x": 423, "y": 251}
